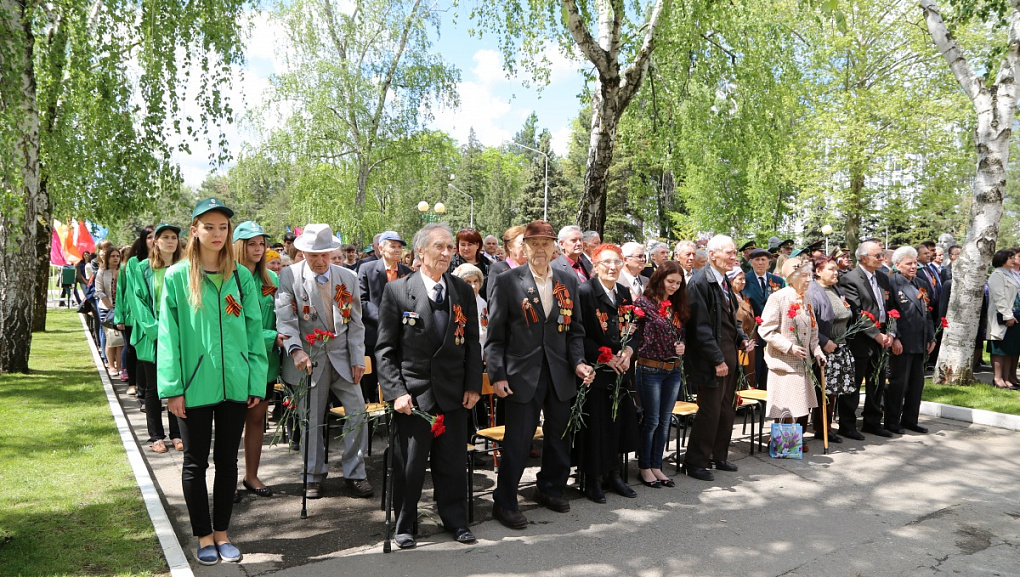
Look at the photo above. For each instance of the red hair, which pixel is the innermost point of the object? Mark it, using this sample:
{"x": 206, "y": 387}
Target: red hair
{"x": 607, "y": 247}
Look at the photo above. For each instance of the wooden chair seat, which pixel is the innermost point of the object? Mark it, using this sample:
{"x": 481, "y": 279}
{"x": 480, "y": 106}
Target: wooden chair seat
{"x": 496, "y": 434}
{"x": 685, "y": 409}
{"x": 754, "y": 394}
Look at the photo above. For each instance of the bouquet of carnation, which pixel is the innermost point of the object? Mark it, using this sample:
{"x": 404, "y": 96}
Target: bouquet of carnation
{"x": 576, "y": 420}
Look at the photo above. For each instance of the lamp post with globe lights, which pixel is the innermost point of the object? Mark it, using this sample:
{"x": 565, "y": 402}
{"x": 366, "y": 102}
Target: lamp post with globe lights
{"x": 435, "y": 214}
{"x": 826, "y": 230}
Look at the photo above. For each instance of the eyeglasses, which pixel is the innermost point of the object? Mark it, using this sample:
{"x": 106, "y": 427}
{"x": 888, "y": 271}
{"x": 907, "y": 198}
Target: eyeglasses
{"x": 638, "y": 256}
{"x": 616, "y": 263}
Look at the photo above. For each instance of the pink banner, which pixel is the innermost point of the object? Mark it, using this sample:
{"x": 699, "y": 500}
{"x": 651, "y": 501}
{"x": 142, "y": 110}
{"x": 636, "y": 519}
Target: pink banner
{"x": 56, "y": 257}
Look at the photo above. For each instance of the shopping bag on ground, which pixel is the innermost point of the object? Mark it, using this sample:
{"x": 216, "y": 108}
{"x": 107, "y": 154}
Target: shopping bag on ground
{"x": 787, "y": 441}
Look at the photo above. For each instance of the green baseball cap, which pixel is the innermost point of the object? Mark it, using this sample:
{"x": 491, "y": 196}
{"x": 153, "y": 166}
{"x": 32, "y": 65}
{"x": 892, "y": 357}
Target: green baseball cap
{"x": 249, "y": 229}
{"x": 208, "y": 204}
{"x": 166, "y": 226}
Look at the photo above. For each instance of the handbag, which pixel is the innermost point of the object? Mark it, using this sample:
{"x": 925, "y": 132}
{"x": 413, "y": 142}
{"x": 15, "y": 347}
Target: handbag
{"x": 114, "y": 338}
{"x": 787, "y": 441}
{"x": 107, "y": 318}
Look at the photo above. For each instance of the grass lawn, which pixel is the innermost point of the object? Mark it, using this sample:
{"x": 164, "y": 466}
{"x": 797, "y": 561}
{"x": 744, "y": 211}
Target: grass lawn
{"x": 974, "y": 396}
{"x": 69, "y": 504}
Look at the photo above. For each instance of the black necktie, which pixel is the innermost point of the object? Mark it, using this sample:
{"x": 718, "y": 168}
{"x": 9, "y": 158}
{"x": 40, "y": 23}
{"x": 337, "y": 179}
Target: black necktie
{"x": 438, "y": 289}
{"x": 764, "y": 290}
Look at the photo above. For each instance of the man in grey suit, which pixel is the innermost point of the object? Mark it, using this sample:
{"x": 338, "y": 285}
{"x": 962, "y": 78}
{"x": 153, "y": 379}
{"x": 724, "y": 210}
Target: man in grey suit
{"x": 571, "y": 259}
{"x": 315, "y": 294}
{"x": 534, "y": 348}
{"x": 430, "y": 359}
{"x": 633, "y": 264}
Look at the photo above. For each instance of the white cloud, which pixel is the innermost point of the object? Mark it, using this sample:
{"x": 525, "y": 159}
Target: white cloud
{"x": 489, "y": 67}
{"x": 561, "y": 140}
{"x": 479, "y": 109}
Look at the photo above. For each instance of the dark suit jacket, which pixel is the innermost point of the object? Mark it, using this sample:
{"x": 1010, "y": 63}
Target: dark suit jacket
{"x": 515, "y": 347}
{"x": 704, "y": 328}
{"x": 753, "y": 290}
{"x": 914, "y": 328}
{"x": 592, "y": 299}
{"x": 495, "y": 269}
{"x": 947, "y": 273}
{"x": 858, "y": 293}
{"x": 372, "y": 280}
{"x": 562, "y": 264}
{"x": 926, "y": 280}
{"x": 411, "y": 361}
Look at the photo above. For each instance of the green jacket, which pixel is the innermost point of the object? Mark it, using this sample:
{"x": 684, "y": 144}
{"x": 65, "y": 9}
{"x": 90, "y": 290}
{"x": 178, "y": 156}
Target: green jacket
{"x": 122, "y": 313}
{"x": 268, "y": 303}
{"x": 208, "y": 354}
{"x": 144, "y": 312}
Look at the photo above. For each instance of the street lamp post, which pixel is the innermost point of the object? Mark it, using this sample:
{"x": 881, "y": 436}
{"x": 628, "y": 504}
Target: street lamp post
{"x": 423, "y": 208}
{"x": 545, "y": 211}
{"x": 826, "y": 230}
{"x": 471, "y": 198}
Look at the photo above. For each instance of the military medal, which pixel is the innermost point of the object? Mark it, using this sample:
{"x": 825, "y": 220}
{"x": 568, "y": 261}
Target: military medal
{"x": 304, "y": 312}
{"x": 410, "y": 318}
{"x": 461, "y": 320}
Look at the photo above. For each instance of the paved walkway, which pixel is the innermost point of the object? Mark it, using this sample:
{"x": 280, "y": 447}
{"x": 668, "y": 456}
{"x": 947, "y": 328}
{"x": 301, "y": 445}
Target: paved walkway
{"x": 915, "y": 505}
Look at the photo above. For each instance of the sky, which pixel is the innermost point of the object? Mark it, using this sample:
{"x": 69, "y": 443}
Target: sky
{"x": 494, "y": 105}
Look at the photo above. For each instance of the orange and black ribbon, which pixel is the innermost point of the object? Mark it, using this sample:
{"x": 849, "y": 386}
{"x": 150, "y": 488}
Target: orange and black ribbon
{"x": 233, "y": 307}
{"x": 603, "y": 319}
{"x": 268, "y": 289}
{"x": 562, "y": 296}
{"x": 342, "y": 296}
{"x": 530, "y": 316}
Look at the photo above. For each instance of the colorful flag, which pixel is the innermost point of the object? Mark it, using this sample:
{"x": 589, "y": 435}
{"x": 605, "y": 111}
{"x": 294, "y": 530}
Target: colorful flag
{"x": 56, "y": 256}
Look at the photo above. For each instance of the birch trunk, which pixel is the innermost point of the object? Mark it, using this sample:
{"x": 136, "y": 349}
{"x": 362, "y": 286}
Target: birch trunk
{"x": 995, "y": 107}
{"x": 613, "y": 92}
{"x": 18, "y": 227}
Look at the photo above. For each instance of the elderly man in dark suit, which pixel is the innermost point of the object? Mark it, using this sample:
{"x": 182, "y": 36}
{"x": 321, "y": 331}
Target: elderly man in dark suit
{"x": 713, "y": 339}
{"x": 572, "y": 258}
{"x": 867, "y": 290}
{"x": 372, "y": 279}
{"x": 760, "y": 286}
{"x": 915, "y": 336}
{"x": 430, "y": 359}
{"x": 533, "y": 350}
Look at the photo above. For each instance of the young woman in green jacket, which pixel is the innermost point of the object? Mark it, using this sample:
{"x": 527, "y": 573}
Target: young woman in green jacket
{"x": 250, "y": 249}
{"x": 146, "y": 291}
{"x": 124, "y": 315}
{"x": 211, "y": 367}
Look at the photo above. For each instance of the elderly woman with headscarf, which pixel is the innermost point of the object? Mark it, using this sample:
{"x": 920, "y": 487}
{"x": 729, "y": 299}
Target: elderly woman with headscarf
{"x": 790, "y": 332}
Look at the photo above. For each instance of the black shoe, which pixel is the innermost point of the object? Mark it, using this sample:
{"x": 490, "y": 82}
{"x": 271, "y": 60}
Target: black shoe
{"x": 699, "y": 473}
{"x": 852, "y": 434}
{"x": 593, "y": 491}
{"x": 404, "y": 540}
{"x": 667, "y": 482}
{"x": 877, "y": 431}
{"x": 834, "y": 438}
{"x": 237, "y": 496}
{"x": 724, "y": 466}
{"x": 263, "y": 492}
{"x": 360, "y": 487}
{"x": 558, "y": 504}
{"x": 509, "y": 519}
{"x": 464, "y": 535}
{"x": 916, "y": 429}
{"x": 615, "y": 484}
{"x": 656, "y": 484}
{"x": 896, "y": 430}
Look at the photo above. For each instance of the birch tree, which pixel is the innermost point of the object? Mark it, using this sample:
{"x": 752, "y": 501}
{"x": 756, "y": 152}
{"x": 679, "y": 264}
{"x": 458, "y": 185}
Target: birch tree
{"x": 619, "y": 49}
{"x": 995, "y": 101}
{"x": 91, "y": 92}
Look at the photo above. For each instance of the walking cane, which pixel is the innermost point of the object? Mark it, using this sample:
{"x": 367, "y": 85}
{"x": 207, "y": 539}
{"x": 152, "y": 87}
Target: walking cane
{"x": 388, "y": 485}
{"x": 304, "y": 467}
{"x": 825, "y": 416}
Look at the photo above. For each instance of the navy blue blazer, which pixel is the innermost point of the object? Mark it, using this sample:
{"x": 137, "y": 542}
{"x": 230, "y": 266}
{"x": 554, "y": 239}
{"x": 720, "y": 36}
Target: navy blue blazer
{"x": 753, "y": 292}
{"x": 914, "y": 328}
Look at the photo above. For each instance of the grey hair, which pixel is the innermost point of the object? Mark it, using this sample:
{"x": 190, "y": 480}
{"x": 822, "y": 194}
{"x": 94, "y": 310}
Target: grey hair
{"x": 468, "y": 270}
{"x": 421, "y": 238}
{"x": 685, "y": 244}
{"x": 717, "y": 242}
{"x": 863, "y": 248}
{"x": 493, "y": 237}
{"x": 587, "y": 235}
{"x": 656, "y": 246}
{"x": 563, "y": 231}
{"x": 701, "y": 252}
{"x": 629, "y": 248}
{"x": 903, "y": 252}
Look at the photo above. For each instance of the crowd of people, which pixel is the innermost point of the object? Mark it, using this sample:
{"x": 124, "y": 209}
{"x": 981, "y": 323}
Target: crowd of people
{"x": 594, "y": 342}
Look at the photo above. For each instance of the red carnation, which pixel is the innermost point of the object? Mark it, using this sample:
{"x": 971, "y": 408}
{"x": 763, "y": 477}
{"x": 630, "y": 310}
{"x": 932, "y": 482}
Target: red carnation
{"x": 605, "y": 355}
{"x": 870, "y": 316}
{"x": 439, "y": 426}
{"x": 758, "y": 320}
{"x": 945, "y": 323}
{"x": 792, "y": 312}
{"x": 639, "y": 313}
{"x": 895, "y": 314}
{"x": 664, "y": 307}
{"x": 310, "y": 339}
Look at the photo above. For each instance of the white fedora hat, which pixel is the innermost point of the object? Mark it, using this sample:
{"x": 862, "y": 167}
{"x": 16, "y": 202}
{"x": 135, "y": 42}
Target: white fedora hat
{"x": 316, "y": 238}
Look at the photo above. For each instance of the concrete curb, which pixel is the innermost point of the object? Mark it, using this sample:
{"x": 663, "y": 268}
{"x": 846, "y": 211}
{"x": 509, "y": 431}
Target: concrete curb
{"x": 976, "y": 416}
{"x": 172, "y": 550}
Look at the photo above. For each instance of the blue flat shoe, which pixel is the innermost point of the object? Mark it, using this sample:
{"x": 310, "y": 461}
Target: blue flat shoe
{"x": 228, "y": 553}
{"x": 207, "y": 555}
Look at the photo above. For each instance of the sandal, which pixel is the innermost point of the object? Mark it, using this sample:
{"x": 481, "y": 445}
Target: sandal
{"x": 178, "y": 444}
{"x": 159, "y": 446}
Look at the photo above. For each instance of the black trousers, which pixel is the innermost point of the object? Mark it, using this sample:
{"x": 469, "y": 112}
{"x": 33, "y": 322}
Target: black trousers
{"x": 713, "y": 425}
{"x": 903, "y": 396}
{"x": 865, "y": 363}
{"x": 446, "y": 454}
{"x": 521, "y": 421}
{"x": 130, "y": 362}
{"x": 153, "y": 406}
{"x": 197, "y": 433}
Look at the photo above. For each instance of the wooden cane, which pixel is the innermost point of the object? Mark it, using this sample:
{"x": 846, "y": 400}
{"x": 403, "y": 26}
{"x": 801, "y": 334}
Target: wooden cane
{"x": 304, "y": 466}
{"x": 388, "y": 484}
{"x": 825, "y": 415}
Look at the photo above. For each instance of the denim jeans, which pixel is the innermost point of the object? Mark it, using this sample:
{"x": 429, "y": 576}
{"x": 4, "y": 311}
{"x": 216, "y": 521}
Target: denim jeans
{"x": 658, "y": 390}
